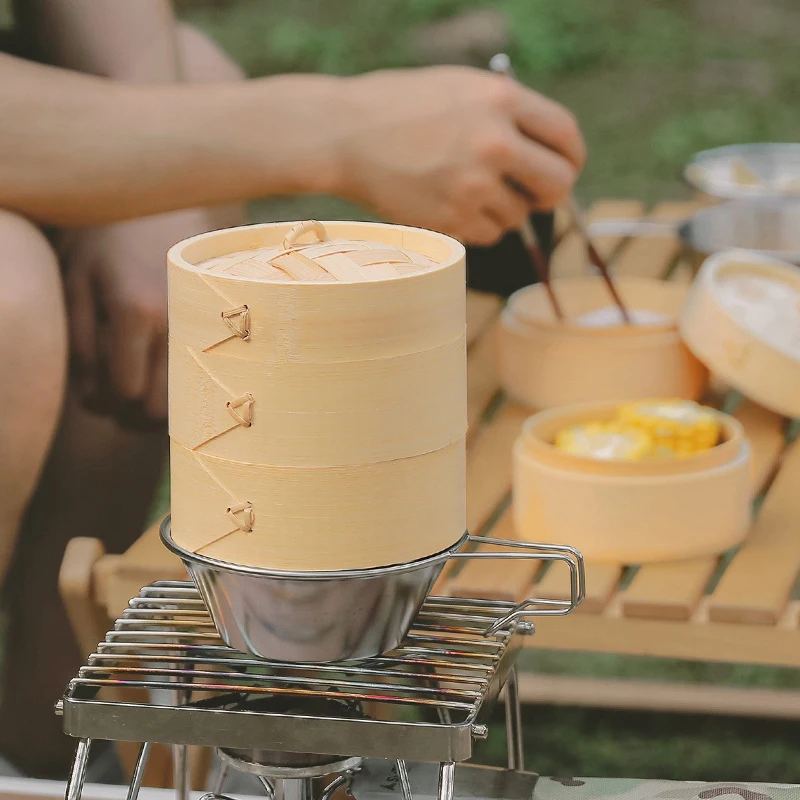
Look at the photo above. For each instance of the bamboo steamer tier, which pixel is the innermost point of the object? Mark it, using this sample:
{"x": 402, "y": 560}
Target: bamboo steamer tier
{"x": 754, "y": 347}
{"x": 312, "y": 519}
{"x": 545, "y": 362}
{"x": 317, "y": 395}
{"x": 630, "y": 512}
{"x": 329, "y": 414}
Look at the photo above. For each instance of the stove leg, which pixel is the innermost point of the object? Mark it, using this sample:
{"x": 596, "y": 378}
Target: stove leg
{"x": 269, "y": 789}
{"x": 180, "y": 771}
{"x": 78, "y": 773}
{"x": 405, "y": 783}
{"x": 297, "y": 788}
{"x": 138, "y": 771}
{"x": 447, "y": 780}
{"x": 516, "y": 750}
{"x": 220, "y": 778}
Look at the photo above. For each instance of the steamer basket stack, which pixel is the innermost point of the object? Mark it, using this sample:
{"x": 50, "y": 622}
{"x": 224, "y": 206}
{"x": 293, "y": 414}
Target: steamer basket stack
{"x": 317, "y": 395}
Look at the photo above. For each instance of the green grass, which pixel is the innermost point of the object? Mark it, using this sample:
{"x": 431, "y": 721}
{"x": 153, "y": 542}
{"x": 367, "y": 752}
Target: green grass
{"x": 651, "y": 81}
{"x": 617, "y": 744}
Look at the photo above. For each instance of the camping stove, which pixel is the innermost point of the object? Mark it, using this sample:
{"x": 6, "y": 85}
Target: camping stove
{"x": 396, "y": 723}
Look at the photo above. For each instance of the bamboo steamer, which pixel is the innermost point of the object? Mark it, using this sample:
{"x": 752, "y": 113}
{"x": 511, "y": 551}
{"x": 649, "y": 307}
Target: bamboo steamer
{"x": 317, "y": 395}
{"x": 753, "y": 344}
{"x": 624, "y": 512}
{"x": 547, "y": 363}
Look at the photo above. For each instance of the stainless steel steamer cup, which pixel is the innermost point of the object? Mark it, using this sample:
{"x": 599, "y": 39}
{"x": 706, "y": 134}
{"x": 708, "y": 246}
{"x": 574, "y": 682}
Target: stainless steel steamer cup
{"x": 343, "y": 615}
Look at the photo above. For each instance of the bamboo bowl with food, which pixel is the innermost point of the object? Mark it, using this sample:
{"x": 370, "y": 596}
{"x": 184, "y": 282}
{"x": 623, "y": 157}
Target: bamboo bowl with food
{"x": 635, "y": 483}
{"x": 591, "y": 354}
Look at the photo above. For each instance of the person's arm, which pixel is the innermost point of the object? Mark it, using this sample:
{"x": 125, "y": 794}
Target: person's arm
{"x": 81, "y": 150}
{"x": 119, "y": 39}
{"x": 436, "y": 148}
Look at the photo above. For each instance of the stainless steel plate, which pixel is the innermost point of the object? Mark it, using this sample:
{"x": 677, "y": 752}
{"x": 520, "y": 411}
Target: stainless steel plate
{"x": 777, "y": 166}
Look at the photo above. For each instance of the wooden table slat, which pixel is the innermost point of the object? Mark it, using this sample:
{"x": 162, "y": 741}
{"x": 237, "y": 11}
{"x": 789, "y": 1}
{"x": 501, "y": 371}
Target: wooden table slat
{"x": 764, "y": 430}
{"x": 601, "y": 583}
{"x": 483, "y": 381}
{"x": 651, "y": 256}
{"x": 672, "y": 591}
{"x": 489, "y": 465}
{"x": 756, "y": 587}
{"x": 570, "y": 257}
{"x": 613, "y": 209}
{"x": 695, "y": 640}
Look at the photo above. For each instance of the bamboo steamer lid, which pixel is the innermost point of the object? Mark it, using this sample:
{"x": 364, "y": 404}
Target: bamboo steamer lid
{"x": 317, "y": 395}
{"x": 742, "y": 319}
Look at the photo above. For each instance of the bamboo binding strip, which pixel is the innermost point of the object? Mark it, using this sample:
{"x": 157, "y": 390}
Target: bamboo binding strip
{"x": 317, "y": 394}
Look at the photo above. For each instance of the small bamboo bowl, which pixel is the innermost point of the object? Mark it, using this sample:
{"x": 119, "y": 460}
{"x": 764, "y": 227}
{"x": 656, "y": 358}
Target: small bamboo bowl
{"x": 547, "y": 363}
{"x": 630, "y": 512}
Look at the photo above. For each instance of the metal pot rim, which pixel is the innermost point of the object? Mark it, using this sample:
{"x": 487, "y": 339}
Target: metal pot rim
{"x": 258, "y": 572}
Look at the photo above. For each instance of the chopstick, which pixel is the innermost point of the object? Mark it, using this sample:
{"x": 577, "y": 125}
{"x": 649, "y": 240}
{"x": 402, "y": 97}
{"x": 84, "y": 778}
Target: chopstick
{"x": 596, "y": 259}
{"x": 540, "y": 261}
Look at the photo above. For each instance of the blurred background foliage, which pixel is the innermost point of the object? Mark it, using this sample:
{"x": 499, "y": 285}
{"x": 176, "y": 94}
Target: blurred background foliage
{"x": 651, "y": 81}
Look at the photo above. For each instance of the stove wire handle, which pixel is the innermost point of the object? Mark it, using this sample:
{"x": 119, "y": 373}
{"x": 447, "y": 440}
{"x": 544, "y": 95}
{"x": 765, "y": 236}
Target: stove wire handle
{"x": 535, "y": 606}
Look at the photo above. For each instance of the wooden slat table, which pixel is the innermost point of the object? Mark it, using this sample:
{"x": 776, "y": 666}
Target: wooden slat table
{"x": 738, "y": 609}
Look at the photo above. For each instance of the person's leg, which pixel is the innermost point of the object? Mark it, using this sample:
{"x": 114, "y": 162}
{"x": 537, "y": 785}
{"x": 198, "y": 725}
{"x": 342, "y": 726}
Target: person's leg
{"x": 33, "y": 351}
{"x": 100, "y": 482}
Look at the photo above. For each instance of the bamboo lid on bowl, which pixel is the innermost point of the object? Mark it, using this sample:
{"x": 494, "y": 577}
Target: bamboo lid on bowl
{"x": 742, "y": 319}
{"x": 317, "y": 394}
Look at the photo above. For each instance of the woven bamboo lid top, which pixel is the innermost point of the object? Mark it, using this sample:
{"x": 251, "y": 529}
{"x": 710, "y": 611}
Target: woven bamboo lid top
{"x": 321, "y": 260}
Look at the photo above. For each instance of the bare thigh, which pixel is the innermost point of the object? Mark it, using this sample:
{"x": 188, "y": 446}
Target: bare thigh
{"x": 32, "y": 366}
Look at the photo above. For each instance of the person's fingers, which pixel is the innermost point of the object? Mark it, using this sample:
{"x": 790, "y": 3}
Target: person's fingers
{"x": 82, "y": 329}
{"x": 546, "y": 177}
{"x": 155, "y": 404}
{"x": 507, "y": 207}
{"x": 549, "y": 123}
{"x": 480, "y": 230}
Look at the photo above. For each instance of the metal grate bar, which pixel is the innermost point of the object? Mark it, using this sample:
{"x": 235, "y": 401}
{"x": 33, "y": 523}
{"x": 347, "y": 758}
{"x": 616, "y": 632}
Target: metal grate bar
{"x": 244, "y": 663}
{"x": 166, "y": 646}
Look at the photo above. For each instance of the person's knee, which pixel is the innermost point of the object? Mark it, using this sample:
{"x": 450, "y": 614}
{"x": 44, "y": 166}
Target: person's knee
{"x": 203, "y": 60}
{"x": 32, "y": 316}
{"x": 33, "y": 354}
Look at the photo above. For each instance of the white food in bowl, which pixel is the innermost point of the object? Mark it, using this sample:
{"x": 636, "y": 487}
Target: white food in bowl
{"x": 611, "y": 315}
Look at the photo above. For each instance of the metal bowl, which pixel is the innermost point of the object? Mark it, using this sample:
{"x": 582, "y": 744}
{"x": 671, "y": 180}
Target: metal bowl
{"x": 770, "y": 226}
{"x": 766, "y": 225}
{"x": 776, "y": 165}
{"x": 343, "y": 615}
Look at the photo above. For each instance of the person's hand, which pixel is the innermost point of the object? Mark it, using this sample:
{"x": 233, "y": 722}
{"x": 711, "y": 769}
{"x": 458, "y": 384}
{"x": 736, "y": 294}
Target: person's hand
{"x": 463, "y": 151}
{"x": 116, "y": 289}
